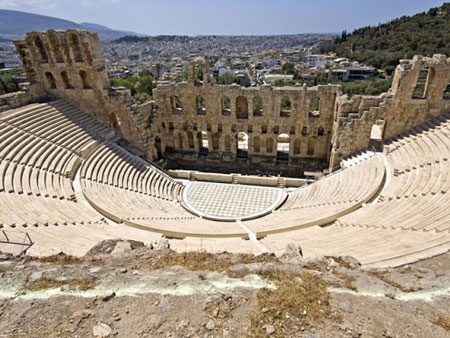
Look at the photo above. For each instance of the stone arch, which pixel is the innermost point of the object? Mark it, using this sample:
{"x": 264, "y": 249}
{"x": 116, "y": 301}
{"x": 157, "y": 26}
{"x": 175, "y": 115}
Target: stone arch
{"x": 191, "y": 140}
{"x": 198, "y": 72}
{"x": 320, "y": 131}
{"x": 258, "y": 106}
{"x": 421, "y": 84}
{"x": 314, "y": 107}
{"x": 203, "y": 142}
{"x": 269, "y": 145}
{"x": 56, "y": 46}
{"x": 158, "y": 147}
{"x": 215, "y": 141}
{"x": 311, "y": 144}
{"x": 41, "y": 49}
{"x": 175, "y": 102}
{"x": 256, "y": 144}
{"x": 200, "y": 105}
{"x": 84, "y": 79}
{"x": 242, "y": 144}
{"x": 74, "y": 42}
{"x": 283, "y": 144}
{"x": 179, "y": 141}
{"x": 241, "y": 107}
{"x": 446, "y": 95}
{"x": 226, "y": 105}
{"x": 285, "y": 107}
{"x": 297, "y": 143}
{"x": 50, "y": 80}
{"x": 65, "y": 80}
{"x": 227, "y": 143}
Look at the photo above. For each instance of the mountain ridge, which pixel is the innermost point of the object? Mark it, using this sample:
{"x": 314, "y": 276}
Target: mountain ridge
{"x": 15, "y": 24}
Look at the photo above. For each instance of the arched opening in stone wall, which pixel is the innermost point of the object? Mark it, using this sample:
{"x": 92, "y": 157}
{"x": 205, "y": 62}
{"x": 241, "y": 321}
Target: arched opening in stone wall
{"x": 51, "y": 83}
{"x": 65, "y": 80}
{"x": 158, "y": 147}
{"x": 256, "y": 144}
{"x": 311, "y": 143}
{"x": 446, "y": 95}
{"x": 56, "y": 47}
{"x": 258, "y": 106}
{"x": 41, "y": 49}
{"x": 285, "y": 107}
{"x": 179, "y": 141}
{"x": 264, "y": 129}
{"x": 226, "y": 106}
{"x": 200, "y": 105}
{"x": 191, "y": 140}
{"x": 297, "y": 143}
{"x": 198, "y": 75}
{"x": 84, "y": 80}
{"x": 242, "y": 144}
{"x": 241, "y": 107}
{"x": 215, "y": 141}
{"x": 320, "y": 131}
{"x": 176, "y": 104}
{"x": 203, "y": 143}
{"x": 419, "y": 91}
{"x": 269, "y": 145}
{"x": 314, "y": 107}
{"x": 304, "y": 131}
{"x": 74, "y": 42}
{"x": 283, "y": 142}
{"x": 227, "y": 143}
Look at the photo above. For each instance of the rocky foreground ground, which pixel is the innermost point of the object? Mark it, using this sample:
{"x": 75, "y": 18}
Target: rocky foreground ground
{"x": 124, "y": 289}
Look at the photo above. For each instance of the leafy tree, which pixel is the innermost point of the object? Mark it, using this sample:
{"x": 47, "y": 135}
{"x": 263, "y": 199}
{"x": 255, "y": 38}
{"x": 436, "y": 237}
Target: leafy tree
{"x": 288, "y": 68}
{"x": 184, "y": 76}
{"x": 8, "y": 84}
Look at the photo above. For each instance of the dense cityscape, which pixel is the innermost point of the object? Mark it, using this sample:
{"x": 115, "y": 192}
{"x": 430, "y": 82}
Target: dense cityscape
{"x": 246, "y": 60}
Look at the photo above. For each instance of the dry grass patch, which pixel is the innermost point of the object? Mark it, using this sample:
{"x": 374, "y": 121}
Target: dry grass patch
{"x": 202, "y": 260}
{"x": 441, "y": 320}
{"x": 300, "y": 301}
{"x": 61, "y": 259}
{"x": 82, "y": 284}
{"x": 381, "y": 276}
{"x": 347, "y": 279}
{"x": 341, "y": 262}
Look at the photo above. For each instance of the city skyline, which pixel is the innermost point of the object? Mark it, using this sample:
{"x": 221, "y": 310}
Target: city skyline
{"x": 202, "y": 17}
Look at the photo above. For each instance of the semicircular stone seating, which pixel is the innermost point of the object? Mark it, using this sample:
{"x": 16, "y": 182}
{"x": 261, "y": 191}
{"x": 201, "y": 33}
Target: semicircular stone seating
{"x": 416, "y": 197}
{"x": 65, "y": 180}
{"x": 325, "y": 200}
{"x": 410, "y": 219}
{"x": 41, "y": 147}
{"x": 127, "y": 189}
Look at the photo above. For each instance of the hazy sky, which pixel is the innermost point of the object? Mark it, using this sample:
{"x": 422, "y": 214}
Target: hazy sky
{"x": 229, "y": 17}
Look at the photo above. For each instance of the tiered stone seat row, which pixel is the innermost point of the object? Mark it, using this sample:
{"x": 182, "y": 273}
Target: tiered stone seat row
{"x": 349, "y": 185}
{"x": 112, "y": 165}
{"x": 155, "y": 214}
{"x": 41, "y": 148}
{"x": 325, "y": 200}
{"x": 371, "y": 246}
{"x": 25, "y": 211}
{"x": 127, "y": 189}
{"x": 416, "y": 196}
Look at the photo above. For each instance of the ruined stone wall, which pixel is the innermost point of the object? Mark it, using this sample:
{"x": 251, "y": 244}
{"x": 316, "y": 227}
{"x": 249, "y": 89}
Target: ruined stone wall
{"x": 420, "y": 92}
{"x": 68, "y": 64}
{"x": 182, "y": 119}
{"x": 198, "y": 124}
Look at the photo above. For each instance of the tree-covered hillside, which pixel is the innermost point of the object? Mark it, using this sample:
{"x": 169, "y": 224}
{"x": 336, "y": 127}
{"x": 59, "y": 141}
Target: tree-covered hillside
{"x": 382, "y": 46}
